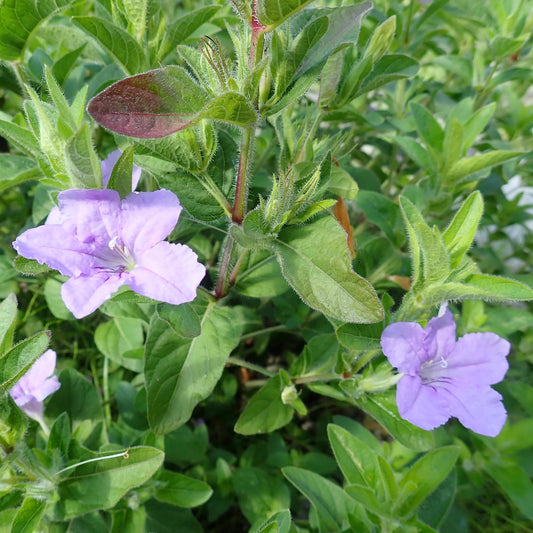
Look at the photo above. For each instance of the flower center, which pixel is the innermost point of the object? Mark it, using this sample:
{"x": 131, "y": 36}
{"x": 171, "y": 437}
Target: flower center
{"x": 115, "y": 258}
{"x": 126, "y": 259}
{"x": 433, "y": 370}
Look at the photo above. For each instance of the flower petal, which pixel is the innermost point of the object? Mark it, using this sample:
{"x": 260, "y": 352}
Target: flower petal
{"x": 147, "y": 218}
{"x": 479, "y": 359}
{"x": 424, "y": 406}
{"x": 440, "y": 335}
{"x": 403, "y": 345}
{"x": 477, "y": 408}
{"x": 92, "y": 215}
{"x": 84, "y": 294}
{"x": 168, "y": 273}
{"x": 58, "y": 248}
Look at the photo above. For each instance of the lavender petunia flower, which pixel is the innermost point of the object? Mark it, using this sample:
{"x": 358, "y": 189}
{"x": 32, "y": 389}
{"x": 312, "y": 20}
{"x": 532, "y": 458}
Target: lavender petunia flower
{"x": 110, "y": 161}
{"x": 35, "y": 385}
{"x": 103, "y": 243}
{"x": 445, "y": 377}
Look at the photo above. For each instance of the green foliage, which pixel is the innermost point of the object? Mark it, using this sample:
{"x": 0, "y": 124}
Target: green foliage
{"x": 341, "y": 166}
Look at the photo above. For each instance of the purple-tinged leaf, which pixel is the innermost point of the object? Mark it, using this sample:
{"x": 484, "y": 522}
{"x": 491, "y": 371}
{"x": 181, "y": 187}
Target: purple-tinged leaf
{"x": 163, "y": 101}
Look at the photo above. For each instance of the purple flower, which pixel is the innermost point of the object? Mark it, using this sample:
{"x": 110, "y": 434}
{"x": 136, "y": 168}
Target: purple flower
{"x": 444, "y": 377}
{"x": 35, "y": 385}
{"x": 107, "y": 168}
{"x": 103, "y": 243}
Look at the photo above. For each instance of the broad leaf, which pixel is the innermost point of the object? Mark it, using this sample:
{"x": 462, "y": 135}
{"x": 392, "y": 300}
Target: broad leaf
{"x": 180, "y": 372}
{"x": 116, "y": 41}
{"x": 29, "y": 515}
{"x": 331, "y": 503}
{"x": 316, "y": 262}
{"x": 19, "y": 19}
{"x": 163, "y": 101}
{"x": 17, "y": 169}
{"x": 467, "y": 166}
{"x": 105, "y": 481}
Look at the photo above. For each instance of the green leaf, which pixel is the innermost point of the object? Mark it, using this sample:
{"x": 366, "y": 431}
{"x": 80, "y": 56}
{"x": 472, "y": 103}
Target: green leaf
{"x": 279, "y": 522}
{"x": 383, "y": 408}
{"x": 121, "y": 175}
{"x": 452, "y": 146}
{"x": 460, "y": 233}
{"x": 54, "y": 301}
{"x": 65, "y": 113}
{"x": 381, "y": 39}
{"x": 163, "y": 518}
{"x": 343, "y": 24}
{"x": 331, "y": 503}
{"x": 356, "y": 460}
{"x": 261, "y": 276}
{"x": 416, "y": 152}
{"x": 29, "y": 515}
{"x": 469, "y": 165}
{"x": 272, "y": 13}
{"x": 316, "y": 262}
{"x": 8, "y": 321}
{"x": 82, "y": 163}
{"x": 163, "y": 101}
{"x": 435, "y": 258}
{"x": 19, "y": 20}
{"x": 121, "y": 340}
{"x": 181, "y": 490}
{"x": 16, "y": 361}
{"x": 105, "y": 481}
{"x": 499, "y": 288}
{"x": 381, "y": 211}
{"x": 359, "y": 337}
{"x": 259, "y": 494}
{"x": 77, "y": 397}
{"x": 181, "y": 372}
{"x": 412, "y": 217}
{"x": 515, "y": 483}
{"x": 428, "y": 127}
{"x": 115, "y": 41}
{"x": 390, "y": 67}
{"x": 22, "y": 138}
{"x": 424, "y": 477}
{"x": 30, "y": 267}
{"x": 367, "y": 497}
{"x": 136, "y": 13}
{"x": 473, "y": 127}
{"x": 265, "y": 412}
{"x": 183, "y": 27}
{"x": 183, "y": 319}
{"x": 17, "y": 169}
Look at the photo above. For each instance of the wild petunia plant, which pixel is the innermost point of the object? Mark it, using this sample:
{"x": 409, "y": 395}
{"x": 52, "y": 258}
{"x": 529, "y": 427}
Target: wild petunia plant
{"x": 337, "y": 170}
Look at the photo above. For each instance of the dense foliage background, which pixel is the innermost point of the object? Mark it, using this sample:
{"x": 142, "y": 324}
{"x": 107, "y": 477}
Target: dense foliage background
{"x": 279, "y": 410}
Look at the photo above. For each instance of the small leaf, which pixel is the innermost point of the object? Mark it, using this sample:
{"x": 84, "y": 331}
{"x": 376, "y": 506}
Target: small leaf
{"x": 331, "y": 503}
{"x": 265, "y": 412}
{"x": 29, "y": 515}
{"x": 416, "y": 152}
{"x": 460, "y": 233}
{"x": 424, "y": 477}
{"x": 279, "y": 522}
{"x": 272, "y": 13}
{"x": 163, "y": 101}
{"x": 16, "y": 361}
{"x": 316, "y": 262}
{"x": 428, "y": 127}
{"x": 81, "y": 160}
{"x": 17, "y": 169}
{"x": 121, "y": 175}
{"x": 8, "y": 320}
{"x": 467, "y": 166}
{"x": 181, "y": 490}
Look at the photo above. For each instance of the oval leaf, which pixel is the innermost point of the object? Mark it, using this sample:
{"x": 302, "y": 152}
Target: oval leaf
{"x": 163, "y": 101}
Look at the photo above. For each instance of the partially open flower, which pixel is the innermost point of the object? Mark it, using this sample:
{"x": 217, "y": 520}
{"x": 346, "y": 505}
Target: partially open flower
{"x": 445, "y": 377}
{"x": 35, "y": 385}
